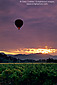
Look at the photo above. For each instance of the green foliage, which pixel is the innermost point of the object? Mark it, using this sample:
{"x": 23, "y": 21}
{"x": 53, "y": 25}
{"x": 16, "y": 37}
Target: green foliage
{"x": 28, "y": 74}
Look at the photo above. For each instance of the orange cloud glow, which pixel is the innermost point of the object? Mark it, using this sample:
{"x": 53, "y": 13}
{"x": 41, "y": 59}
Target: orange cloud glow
{"x": 31, "y": 50}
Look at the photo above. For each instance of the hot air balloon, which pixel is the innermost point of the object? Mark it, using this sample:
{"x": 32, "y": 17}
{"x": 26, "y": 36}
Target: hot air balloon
{"x": 18, "y": 23}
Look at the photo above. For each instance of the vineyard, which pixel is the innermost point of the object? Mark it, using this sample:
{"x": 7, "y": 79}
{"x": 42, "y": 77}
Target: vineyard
{"x": 28, "y": 74}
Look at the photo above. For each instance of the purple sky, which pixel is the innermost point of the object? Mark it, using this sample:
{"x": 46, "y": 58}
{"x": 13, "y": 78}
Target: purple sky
{"x": 39, "y": 29}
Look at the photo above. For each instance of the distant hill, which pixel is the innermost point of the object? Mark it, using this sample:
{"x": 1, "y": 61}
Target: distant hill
{"x": 36, "y": 56}
{"x": 7, "y": 59}
{"x": 21, "y": 58}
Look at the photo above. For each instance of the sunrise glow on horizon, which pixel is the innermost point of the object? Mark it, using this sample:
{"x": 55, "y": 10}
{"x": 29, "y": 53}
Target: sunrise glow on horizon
{"x": 31, "y": 50}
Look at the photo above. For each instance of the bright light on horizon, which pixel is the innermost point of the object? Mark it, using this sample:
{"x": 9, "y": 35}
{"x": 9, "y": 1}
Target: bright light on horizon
{"x": 31, "y": 50}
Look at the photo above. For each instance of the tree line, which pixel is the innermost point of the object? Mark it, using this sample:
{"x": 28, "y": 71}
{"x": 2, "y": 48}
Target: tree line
{"x": 9, "y": 59}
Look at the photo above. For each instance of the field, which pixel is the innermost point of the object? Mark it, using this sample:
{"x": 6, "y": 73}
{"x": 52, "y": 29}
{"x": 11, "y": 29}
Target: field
{"x": 28, "y": 74}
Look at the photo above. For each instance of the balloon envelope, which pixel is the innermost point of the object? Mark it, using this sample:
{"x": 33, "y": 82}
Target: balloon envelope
{"x": 18, "y": 23}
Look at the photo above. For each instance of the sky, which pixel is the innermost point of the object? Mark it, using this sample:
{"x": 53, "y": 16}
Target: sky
{"x": 39, "y": 28}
